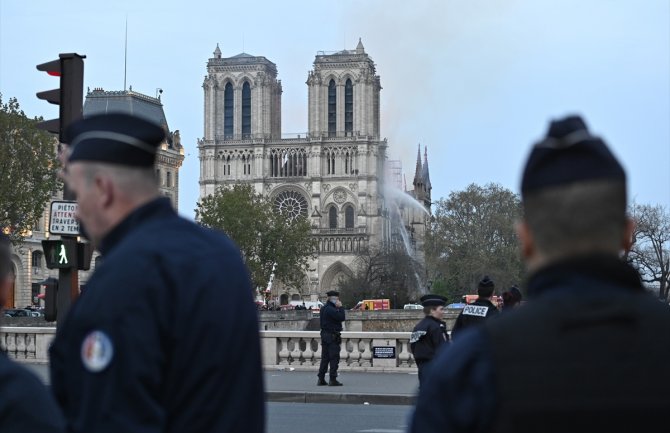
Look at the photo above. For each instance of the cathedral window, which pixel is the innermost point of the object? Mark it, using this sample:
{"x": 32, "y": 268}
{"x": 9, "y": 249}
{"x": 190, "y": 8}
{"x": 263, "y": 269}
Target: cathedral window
{"x": 291, "y": 204}
{"x": 332, "y": 108}
{"x": 349, "y": 108}
{"x": 228, "y": 111}
{"x": 246, "y": 110}
{"x": 349, "y": 217}
{"x": 332, "y": 217}
{"x": 226, "y": 166}
{"x": 168, "y": 179}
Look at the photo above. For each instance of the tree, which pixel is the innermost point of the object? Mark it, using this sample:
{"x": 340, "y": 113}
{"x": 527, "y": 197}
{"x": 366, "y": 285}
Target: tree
{"x": 650, "y": 253}
{"x": 471, "y": 235}
{"x": 382, "y": 274}
{"x": 28, "y": 170}
{"x": 265, "y": 237}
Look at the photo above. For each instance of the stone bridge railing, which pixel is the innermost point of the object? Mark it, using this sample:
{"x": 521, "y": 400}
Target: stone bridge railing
{"x": 300, "y": 350}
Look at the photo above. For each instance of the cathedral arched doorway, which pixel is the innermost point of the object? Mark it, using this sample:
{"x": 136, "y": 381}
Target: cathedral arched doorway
{"x": 283, "y": 299}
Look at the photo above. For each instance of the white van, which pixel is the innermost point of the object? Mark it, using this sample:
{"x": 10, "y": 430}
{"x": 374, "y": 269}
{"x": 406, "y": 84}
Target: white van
{"x": 310, "y": 305}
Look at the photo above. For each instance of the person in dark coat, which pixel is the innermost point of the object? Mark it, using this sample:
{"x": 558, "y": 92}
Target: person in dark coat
{"x": 25, "y": 403}
{"x": 165, "y": 337}
{"x": 331, "y": 318}
{"x": 511, "y": 298}
{"x": 588, "y": 351}
{"x": 430, "y": 333}
{"x": 480, "y": 310}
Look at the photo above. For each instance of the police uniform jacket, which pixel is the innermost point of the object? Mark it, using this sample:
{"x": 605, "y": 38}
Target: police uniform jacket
{"x": 165, "y": 336}
{"x": 331, "y": 318}
{"x": 25, "y": 403}
{"x": 587, "y": 353}
{"x": 428, "y": 335}
{"x": 474, "y": 314}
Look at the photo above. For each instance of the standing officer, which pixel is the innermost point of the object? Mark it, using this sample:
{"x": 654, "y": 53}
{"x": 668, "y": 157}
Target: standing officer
{"x": 331, "y": 317}
{"x": 165, "y": 337}
{"x": 478, "y": 311}
{"x": 430, "y": 333}
{"x": 25, "y": 404}
{"x": 589, "y": 351}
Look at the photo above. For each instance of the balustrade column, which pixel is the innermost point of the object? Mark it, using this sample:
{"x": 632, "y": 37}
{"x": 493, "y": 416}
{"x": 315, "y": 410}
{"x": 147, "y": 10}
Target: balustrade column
{"x": 366, "y": 352}
{"x": 295, "y": 353}
{"x": 283, "y": 352}
{"x": 404, "y": 355}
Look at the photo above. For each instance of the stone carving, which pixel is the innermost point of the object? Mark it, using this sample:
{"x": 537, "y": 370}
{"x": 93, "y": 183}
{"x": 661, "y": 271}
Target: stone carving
{"x": 353, "y": 187}
{"x": 325, "y": 187}
{"x": 308, "y": 186}
{"x": 339, "y": 196}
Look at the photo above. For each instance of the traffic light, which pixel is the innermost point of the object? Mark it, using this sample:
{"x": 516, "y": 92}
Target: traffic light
{"x": 50, "y": 291}
{"x": 61, "y": 253}
{"x": 84, "y": 254}
{"x": 69, "y": 96}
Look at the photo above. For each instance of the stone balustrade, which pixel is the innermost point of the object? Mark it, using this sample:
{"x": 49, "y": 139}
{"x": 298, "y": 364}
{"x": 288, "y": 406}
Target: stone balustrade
{"x": 372, "y": 351}
{"x": 27, "y": 343}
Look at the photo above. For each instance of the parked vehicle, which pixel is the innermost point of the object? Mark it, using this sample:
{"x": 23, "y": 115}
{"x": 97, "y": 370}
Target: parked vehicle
{"x": 309, "y": 305}
{"x": 412, "y": 307}
{"x": 373, "y": 304}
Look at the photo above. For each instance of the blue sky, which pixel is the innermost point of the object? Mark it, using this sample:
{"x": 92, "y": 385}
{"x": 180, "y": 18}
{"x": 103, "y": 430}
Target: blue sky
{"x": 476, "y": 81}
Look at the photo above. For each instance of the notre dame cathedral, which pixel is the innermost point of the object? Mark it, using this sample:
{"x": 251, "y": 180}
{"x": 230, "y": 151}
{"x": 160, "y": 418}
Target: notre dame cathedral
{"x": 337, "y": 174}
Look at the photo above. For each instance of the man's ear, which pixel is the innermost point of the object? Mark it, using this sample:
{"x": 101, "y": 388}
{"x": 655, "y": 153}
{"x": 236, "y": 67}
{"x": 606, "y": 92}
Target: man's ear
{"x": 105, "y": 189}
{"x": 628, "y": 240}
{"x": 525, "y": 240}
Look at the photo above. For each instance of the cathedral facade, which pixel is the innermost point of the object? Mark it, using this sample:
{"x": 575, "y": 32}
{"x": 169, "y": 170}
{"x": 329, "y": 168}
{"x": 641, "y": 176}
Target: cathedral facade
{"x": 333, "y": 175}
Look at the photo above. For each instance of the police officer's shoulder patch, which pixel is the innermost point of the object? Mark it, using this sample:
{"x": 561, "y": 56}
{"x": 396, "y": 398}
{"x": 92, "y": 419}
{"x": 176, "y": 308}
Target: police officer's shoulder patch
{"x": 97, "y": 351}
{"x": 475, "y": 310}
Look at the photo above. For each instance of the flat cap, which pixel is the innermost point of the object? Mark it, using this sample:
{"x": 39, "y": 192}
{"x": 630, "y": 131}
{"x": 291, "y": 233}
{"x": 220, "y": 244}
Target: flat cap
{"x": 115, "y": 138}
{"x": 433, "y": 300}
{"x": 567, "y": 155}
{"x": 333, "y": 293}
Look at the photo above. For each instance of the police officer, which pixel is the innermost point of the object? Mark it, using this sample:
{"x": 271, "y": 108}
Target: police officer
{"x": 589, "y": 350}
{"x": 331, "y": 317}
{"x": 430, "y": 333}
{"x": 25, "y": 404}
{"x": 165, "y": 337}
{"x": 478, "y": 311}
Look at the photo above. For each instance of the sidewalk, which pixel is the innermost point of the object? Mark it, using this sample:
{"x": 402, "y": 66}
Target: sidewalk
{"x": 359, "y": 387}
{"x": 284, "y": 385}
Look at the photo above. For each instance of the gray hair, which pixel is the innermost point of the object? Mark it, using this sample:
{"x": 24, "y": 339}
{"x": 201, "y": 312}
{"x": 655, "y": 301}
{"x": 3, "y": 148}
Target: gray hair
{"x": 131, "y": 180}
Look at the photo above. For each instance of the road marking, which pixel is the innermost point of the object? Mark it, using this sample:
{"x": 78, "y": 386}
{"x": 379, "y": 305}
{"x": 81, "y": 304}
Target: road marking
{"x": 380, "y": 430}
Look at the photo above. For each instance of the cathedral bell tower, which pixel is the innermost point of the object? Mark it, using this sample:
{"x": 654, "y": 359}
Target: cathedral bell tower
{"x": 344, "y": 95}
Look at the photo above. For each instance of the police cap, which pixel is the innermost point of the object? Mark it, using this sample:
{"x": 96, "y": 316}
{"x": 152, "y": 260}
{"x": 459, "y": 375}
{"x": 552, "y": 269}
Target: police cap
{"x": 567, "y": 155}
{"x": 333, "y": 293}
{"x": 433, "y": 300}
{"x": 115, "y": 138}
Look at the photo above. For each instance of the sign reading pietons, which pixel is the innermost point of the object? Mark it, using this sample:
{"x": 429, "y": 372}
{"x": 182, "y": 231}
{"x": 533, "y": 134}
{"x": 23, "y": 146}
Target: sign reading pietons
{"x": 62, "y": 220}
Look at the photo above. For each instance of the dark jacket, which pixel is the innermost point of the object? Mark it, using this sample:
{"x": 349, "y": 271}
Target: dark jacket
{"x": 474, "y": 314}
{"x": 25, "y": 403}
{"x": 171, "y": 305}
{"x": 331, "y": 317}
{"x": 585, "y": 354}
{"x": 428, "y": 335}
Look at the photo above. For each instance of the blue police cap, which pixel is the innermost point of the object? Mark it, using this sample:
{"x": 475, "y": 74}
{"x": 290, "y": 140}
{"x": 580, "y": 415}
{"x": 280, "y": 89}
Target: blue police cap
{"x": 569, "y": 154}
{"x": 115, "y": 138}
{"x": 433, "y": 300}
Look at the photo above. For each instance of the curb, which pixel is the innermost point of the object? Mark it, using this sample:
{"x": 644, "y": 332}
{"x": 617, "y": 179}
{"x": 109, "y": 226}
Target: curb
{"x": 338, "y": 398}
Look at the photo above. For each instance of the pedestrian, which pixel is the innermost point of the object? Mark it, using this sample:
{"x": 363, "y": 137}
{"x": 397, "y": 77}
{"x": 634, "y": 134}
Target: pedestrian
{"x": 331, "y": 317}
{"x": 511, "y": 298}
{"x": 480, "y": 310}
{"x": 430, "y": 333}
{"x": 588, "y": 352}
{"x": 165, "y": 338}
{"x": 25, "y": 403}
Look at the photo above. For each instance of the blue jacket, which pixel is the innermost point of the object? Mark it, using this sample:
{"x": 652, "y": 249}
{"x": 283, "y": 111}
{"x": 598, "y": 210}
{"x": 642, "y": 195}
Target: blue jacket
{"x": 331, "y": 317}
{"x": 165, "y": 336}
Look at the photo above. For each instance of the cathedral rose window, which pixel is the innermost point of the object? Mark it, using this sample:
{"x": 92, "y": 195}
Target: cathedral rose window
{"x": 291, "y": 204}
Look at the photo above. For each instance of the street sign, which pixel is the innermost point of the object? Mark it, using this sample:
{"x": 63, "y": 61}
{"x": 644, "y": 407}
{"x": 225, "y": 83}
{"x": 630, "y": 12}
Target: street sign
{"x": 62, "y": 220}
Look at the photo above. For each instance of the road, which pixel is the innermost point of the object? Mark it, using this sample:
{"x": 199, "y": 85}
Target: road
{"x": 336, "y": 418}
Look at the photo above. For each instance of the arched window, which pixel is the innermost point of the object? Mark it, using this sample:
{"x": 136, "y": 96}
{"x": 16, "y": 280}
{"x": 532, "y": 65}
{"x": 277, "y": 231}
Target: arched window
{"x": 37, "y": 262}
{"x": 332, "y": 108}
{"x": 349, "y": 107}
{"x": 228, "y": 111}
{"x": 246, "y": 110}
{"x": 226, "y": 167}
{"x": 332, "y": 217}
{"x": 349, "y": 217}
{"x": 168, "y": 179}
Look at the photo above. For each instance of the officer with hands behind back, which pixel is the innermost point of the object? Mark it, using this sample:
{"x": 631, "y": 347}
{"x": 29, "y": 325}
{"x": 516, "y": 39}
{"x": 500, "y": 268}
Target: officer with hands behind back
{"x": 331, "y": 317}
{"x": 430, "y": 333}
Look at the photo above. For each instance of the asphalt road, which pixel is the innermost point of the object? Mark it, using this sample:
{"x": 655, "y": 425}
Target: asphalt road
{"x": 336, "y": 418}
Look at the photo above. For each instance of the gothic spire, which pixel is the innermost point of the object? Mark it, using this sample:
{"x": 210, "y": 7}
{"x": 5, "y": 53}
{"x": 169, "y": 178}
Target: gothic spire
{"x": 418, "y": 171}
{"x": 426, "y": 174}
{"x": 359, "y": 47}
{"x": 217, "y": 52}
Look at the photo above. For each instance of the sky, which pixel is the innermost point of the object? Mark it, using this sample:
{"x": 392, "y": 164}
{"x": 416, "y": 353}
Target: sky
{"x": 475, "y": 81}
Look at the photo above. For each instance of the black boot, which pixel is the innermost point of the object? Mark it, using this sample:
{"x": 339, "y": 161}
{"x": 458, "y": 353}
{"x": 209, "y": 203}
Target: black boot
{"x": 334, "y": 382}
{"x": 321, "y": 382}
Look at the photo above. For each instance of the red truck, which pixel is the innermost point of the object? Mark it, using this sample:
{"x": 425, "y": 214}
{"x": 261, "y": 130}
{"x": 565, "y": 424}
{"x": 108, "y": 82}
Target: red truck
{"x": 373, "y": 304}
